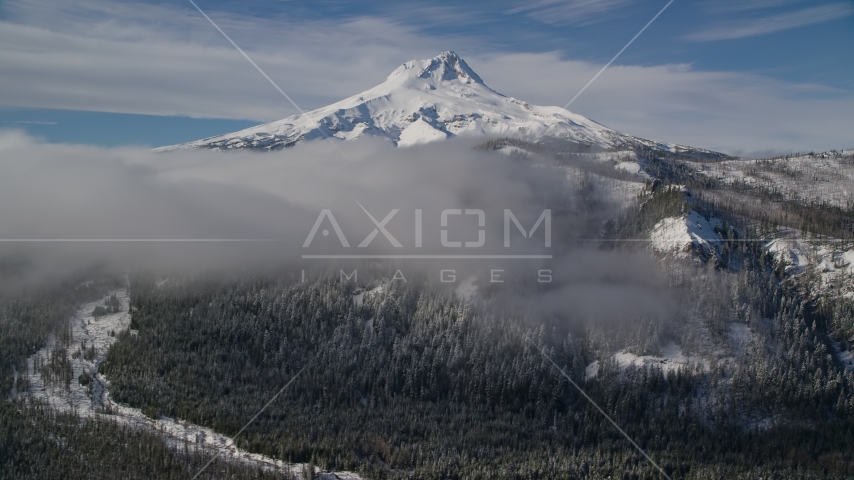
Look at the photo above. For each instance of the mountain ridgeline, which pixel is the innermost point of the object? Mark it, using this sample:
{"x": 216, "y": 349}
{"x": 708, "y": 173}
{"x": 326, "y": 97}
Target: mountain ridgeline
{"x": 430, "y": 100}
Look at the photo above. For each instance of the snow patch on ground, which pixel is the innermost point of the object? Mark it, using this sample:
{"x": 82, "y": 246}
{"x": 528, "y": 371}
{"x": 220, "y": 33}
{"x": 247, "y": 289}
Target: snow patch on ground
{"x": 682, "y": 235}
{"x": 632, "y": 167}
{"x": 791, "y": 251}
{"x": 670, "y": 359}
{"x": 590, "y": 371}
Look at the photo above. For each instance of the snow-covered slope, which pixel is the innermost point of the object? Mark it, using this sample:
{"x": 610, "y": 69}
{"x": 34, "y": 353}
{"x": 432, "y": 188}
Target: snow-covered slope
{"x": 424, "y": 101}
{"x": 683, "y": 235}
{"x": 825, "y": 177}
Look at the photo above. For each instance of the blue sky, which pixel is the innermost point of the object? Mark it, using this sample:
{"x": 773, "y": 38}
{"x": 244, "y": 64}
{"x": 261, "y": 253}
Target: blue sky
{"x": 746, "y": 77}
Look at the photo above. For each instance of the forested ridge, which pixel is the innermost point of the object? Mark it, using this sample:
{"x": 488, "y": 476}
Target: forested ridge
{"x": 414, "y": 382}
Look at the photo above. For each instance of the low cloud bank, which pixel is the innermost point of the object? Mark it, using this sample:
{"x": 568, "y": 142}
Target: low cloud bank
{"x": 71, "y": 207}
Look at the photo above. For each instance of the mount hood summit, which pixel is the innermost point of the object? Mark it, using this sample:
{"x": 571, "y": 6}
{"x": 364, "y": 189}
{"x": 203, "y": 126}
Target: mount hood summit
{"x": 429, "y": 100}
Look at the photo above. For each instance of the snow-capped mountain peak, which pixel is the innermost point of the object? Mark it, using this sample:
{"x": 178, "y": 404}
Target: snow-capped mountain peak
{"x": 424, "y": 101}
{"x": 445, "y": 67}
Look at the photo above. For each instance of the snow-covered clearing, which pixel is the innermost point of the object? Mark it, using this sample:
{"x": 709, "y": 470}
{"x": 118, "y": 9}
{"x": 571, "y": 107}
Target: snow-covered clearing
{"x": 90, "y": 339}
{"x": 700, "y": 349}
{"x": 682, "y": 235}
{"x": 670, "y": 359}
{"x": 632, "y": 167}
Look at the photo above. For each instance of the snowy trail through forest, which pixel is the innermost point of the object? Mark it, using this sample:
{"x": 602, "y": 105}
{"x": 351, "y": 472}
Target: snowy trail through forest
{"x": 64, "y": 374}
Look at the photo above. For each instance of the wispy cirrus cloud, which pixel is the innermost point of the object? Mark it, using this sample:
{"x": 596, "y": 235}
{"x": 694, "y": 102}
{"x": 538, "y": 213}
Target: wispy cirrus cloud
{"x": 774, "y": 23}
{"x": 429, "y": 16}
{"x": 729, "y": 6}
{"x": 155, "y": 59}
{"x": 572, "y": 12}
{"x": 737, "y": 113}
